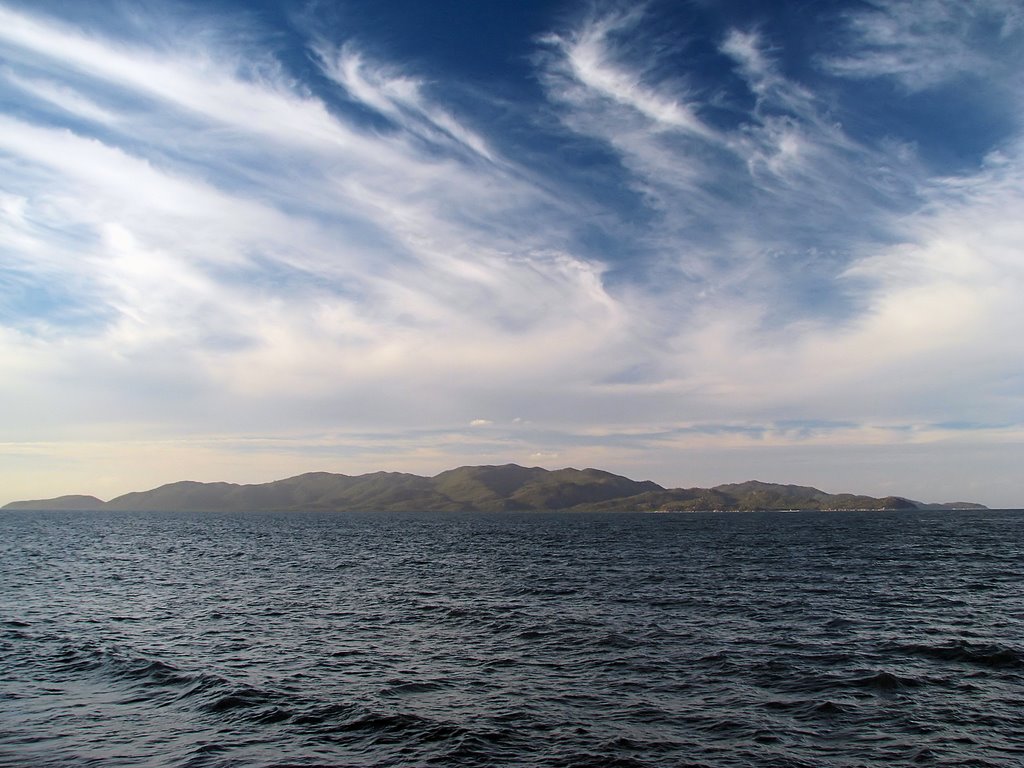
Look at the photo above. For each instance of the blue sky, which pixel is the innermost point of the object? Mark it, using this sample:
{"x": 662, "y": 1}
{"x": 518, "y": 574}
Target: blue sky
{"x": 691, "y": 242}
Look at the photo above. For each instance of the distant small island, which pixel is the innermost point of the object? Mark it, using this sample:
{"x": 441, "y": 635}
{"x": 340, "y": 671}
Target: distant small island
{"x": 505, "y": 488}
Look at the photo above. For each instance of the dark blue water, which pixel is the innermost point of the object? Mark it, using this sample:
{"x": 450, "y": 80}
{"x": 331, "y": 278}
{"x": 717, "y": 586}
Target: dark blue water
{"x": 775, "y": 639}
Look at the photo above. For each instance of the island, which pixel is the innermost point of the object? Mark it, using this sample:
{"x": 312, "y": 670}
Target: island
{"x": 505, "y": 488}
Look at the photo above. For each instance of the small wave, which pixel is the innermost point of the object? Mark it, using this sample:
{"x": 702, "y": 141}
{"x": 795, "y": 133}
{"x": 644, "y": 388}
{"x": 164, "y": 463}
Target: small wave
{"x": 598, "y": 760}
{"x": 983, "y": 654}
{"x": 459, "y": 613}
{"x": 719, "y": 659}
{"x": 727, "y": 726}
{"x": 156, "y": 673}
{"x": 809, "y": 708}
{"x": 532, "y": 634}
{"x": 239, "y": 698}
{"x": 326, "y": 714}
{"x": 614, "y": 640}
{"x": 160, "y": 682}
{"x": 550, "y": 591}
{"x": 501, "y": 662}
{"x": 343, "y": 652}
{"x": 829, "y": 708}
{"x": 393, "y": 722}
{"x": 73, "y": 660}
{"x": 378, "y": 726}
{"x": 671, "y": 602}
{"x": 495, "y": 747}
{"x": 205, "y": 749}
{"x": 883, "y": 681}
{"x": 398, "y": 687}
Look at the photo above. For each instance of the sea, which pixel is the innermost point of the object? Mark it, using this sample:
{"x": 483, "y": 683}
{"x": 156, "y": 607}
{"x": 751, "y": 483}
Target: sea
{"x": 184, "y": 640}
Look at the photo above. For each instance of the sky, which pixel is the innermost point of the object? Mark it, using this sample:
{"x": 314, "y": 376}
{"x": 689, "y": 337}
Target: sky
{"x": 693, "y": 242}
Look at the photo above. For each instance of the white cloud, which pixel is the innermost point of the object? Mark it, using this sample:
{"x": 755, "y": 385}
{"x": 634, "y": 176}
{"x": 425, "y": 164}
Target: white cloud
{"x": 928, "y": 42}
{"x": 398, "y": 97}
{"x": 240, "y": 258}
{"x": 590, "y": 60}
{"x": 62, "y": 97}
{"x": 315, "y": 263}
{"x": 745, "y": 49}
{"x": 726, "y": 202}
{"x": 923, "y": 263}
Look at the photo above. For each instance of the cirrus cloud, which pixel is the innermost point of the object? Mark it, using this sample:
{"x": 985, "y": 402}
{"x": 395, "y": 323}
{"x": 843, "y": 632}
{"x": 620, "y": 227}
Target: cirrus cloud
{"x": 199, "y": 245}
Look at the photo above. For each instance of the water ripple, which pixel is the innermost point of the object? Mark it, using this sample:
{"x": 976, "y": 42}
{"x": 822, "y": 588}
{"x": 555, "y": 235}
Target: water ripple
{"x": 280, "y": 641}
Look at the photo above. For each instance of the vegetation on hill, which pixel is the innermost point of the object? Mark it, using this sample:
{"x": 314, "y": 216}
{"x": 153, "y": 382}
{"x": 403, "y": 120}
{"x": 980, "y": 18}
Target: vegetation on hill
{"x": 473, "y": 489}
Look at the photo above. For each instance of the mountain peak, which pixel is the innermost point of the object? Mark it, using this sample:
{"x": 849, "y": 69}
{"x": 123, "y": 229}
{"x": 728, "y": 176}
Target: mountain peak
{"x": 483, "y": 488}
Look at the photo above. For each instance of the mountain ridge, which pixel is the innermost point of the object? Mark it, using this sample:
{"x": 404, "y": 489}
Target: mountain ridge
{"x": 484, "y": 488}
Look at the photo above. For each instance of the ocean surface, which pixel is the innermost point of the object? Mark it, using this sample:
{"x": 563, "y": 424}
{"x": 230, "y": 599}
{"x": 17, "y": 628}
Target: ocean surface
{"x": 733, "y": 639}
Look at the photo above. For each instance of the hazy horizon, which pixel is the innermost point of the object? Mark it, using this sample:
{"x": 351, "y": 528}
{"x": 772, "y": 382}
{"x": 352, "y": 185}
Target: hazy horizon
{"x": 694, "y": 243}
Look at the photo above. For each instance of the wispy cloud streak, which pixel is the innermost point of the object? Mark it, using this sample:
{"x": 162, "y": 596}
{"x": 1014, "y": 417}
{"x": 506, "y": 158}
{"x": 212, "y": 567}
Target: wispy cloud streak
{"x": 925, "y": 44}
{"x": 195, "y": 242}
{"x": 303, "y": 257}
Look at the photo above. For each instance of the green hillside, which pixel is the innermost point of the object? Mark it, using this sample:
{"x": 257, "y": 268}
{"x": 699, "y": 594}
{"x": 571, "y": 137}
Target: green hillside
{"x": 508, "y": 487}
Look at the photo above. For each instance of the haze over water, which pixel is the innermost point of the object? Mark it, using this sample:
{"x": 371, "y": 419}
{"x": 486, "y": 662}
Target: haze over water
{"x": 748, "y": 639}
